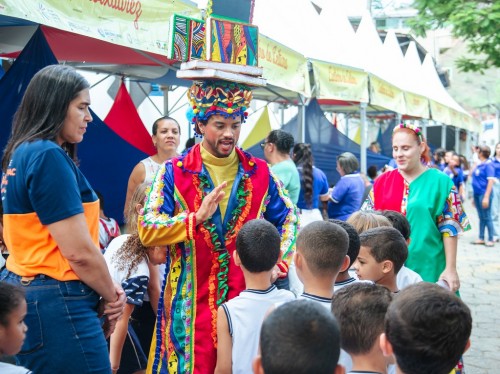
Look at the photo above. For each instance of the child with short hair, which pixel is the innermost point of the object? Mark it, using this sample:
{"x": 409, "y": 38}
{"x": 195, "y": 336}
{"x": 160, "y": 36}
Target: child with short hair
{"x": 299, "y": 337}
{"x": 360, "y": 311}
{"x": 427, "y": 329}
{"x": 239, "y": 320}
{"x": 320, "y": 255}
{"x": 12, "y": 327}
{"x": 128, "y": 262}
{"x": 363, "y": 220}
{"x": 344, "y": 278}
{"x": 406, "y": 276}
{"x": 383, "y": 252}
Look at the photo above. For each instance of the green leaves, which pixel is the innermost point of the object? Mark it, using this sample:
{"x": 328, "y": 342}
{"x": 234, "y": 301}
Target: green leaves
{"x": 475, "y": 21}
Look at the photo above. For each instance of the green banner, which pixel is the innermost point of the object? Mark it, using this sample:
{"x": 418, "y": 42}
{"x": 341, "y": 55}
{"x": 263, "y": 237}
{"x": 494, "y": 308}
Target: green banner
{"x": 440, "y": 112}
{"x": 386, "y": 95}
{"x": 139, "y": 24}
{"x": 283, "y": 67}
{"x": 338, "y": 82}
{"x": 416, "y": 105}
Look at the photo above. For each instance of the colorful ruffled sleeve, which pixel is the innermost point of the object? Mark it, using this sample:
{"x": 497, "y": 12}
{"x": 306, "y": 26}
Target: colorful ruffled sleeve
{"x": 282, "y": 212}
{"x": 161, "y": 223}
{"x": 369, "y": 203}
{"x": 453, "y": 220}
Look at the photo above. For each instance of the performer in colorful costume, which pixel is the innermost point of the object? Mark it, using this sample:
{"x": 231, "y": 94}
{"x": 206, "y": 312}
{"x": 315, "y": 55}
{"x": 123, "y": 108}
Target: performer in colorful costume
{"x": 195, "y": 206}
{"x": 430, "y": 202}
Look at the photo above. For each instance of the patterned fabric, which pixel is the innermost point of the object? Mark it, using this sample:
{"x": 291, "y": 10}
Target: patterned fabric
{"x": 229, "y": 99}
{"x": 433, "y": 208}
{"x": 200, "y": 273}
{"x": 135, "y": 288}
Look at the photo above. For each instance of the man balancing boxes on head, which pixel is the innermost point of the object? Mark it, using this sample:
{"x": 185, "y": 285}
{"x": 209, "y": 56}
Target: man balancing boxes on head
{"x": 196, "y": 205}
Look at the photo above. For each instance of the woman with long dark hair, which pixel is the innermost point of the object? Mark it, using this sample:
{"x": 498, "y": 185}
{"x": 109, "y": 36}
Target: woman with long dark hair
{"x": 313, "y": 185}
{"x": 51, "y": 223}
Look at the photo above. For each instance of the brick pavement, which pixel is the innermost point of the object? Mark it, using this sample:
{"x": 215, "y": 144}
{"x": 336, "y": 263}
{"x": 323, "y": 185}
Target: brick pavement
{"x": 479, "y": 271}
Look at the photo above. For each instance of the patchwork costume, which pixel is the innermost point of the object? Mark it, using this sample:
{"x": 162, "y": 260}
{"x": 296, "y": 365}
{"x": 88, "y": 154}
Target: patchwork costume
{"x": 200, "y": 273}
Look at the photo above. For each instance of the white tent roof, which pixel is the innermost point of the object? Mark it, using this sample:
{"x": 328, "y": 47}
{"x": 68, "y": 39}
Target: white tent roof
{"x": 393, "y": 60}
{"x": 435, "y": 89}
{"x": 292, "y": 23}
{"x": 414, "y": 76}
{"x": 368, "y": 46}
{"x": 335, "y": 28}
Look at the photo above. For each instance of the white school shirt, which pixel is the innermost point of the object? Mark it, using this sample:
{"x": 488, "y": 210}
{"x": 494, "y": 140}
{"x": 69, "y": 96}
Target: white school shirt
{"x": 245, "y": 314}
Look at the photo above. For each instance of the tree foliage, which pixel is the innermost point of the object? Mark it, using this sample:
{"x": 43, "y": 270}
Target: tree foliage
{"x": 475, "y": 21}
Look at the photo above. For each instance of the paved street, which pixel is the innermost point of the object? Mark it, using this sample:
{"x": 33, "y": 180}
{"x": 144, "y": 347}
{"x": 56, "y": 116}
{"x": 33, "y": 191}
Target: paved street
{"x": 479, "y": 270}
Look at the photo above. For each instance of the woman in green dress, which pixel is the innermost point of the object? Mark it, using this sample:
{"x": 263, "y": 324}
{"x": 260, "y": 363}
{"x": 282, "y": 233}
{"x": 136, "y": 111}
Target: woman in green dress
{"x": 430, "y": 202}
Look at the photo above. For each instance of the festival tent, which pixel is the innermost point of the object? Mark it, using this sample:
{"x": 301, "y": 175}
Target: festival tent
{"x": 417, "y": 104}
{"x": 105, "y": 158}
{"x": 385, "y": 82}
{"x": 327, "y": 142}
{"x": 340, "y": 81}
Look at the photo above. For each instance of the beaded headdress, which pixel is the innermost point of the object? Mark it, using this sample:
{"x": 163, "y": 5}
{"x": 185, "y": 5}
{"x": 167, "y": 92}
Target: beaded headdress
{"x": 417, "y": 130}
{"x": 229, "y": 99}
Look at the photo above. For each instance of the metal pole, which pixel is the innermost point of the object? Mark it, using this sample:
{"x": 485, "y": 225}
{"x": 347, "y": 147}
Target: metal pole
{"x": 424, "y": 130}
{"x": 347, "y": 125}
{"x": 364, "y": 137}
{"x": 282, "y": 111}
{"x": 165, "y": 100}
{"x": 443, "y": 136}
{"x": 457, "y": 140}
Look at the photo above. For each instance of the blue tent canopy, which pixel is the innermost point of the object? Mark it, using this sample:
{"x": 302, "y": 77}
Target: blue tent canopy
{"x": 106, "y": 160}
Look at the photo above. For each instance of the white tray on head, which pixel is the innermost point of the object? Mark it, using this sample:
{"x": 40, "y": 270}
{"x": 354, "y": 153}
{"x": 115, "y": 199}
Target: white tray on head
{"x": 230, "y": 68}
{"x": 204, "y": 74}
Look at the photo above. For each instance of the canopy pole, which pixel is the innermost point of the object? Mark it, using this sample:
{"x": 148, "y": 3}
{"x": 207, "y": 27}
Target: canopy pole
{"x": 302, "y": 127}
{"x": 165, "y": 100}
{"x": 443, "y": 136}
{"x": 457, "y": 140}
{"x": 282, "y": 115}
{"x": 364, "y": 137}
{"x": 347, "y": 125}
{"x": 424, "y": 129}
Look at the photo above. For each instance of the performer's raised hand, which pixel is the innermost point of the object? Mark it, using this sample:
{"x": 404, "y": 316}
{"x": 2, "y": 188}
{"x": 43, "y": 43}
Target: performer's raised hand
{"x": 210, "y": 203}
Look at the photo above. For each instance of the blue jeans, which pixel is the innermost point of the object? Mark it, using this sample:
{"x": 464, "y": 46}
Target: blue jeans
{"x": 484, "y": 215}
{"x": 495, "y": 209}
{"x": 64, "y": 333}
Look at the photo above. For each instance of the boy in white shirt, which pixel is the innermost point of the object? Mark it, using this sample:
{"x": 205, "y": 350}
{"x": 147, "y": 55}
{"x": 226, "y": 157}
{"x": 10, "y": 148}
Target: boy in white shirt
{"x": 239, "y": 320}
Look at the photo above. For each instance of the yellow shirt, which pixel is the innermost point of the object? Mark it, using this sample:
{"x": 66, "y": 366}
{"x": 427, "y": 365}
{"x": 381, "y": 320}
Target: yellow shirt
{"x": 220, "y": 170}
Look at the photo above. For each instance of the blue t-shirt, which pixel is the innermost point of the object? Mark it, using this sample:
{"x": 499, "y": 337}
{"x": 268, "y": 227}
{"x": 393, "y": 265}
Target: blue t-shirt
{"x": 347, "y": 197}
{"x": 320, "y": 187}
{"x": 496, "y": 165}
{"x": 457, "y": 179}
{"x": 482, "y": 173}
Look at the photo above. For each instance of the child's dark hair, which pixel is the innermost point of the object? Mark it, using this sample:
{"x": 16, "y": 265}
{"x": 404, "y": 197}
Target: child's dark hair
{"x": 311, "y": 346}
{"x": 324, "y": 247}
{"x": 354, "y": 243}
{"x": 360, "y": 311}
{"x": 428, "y": 328}
{"x": 386, "y": 243}
{"x": 399, "y": 222}
{"x": 258, "y": 245}
{"x": 10, "y": 298}
{"x": 101, "y": 199}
